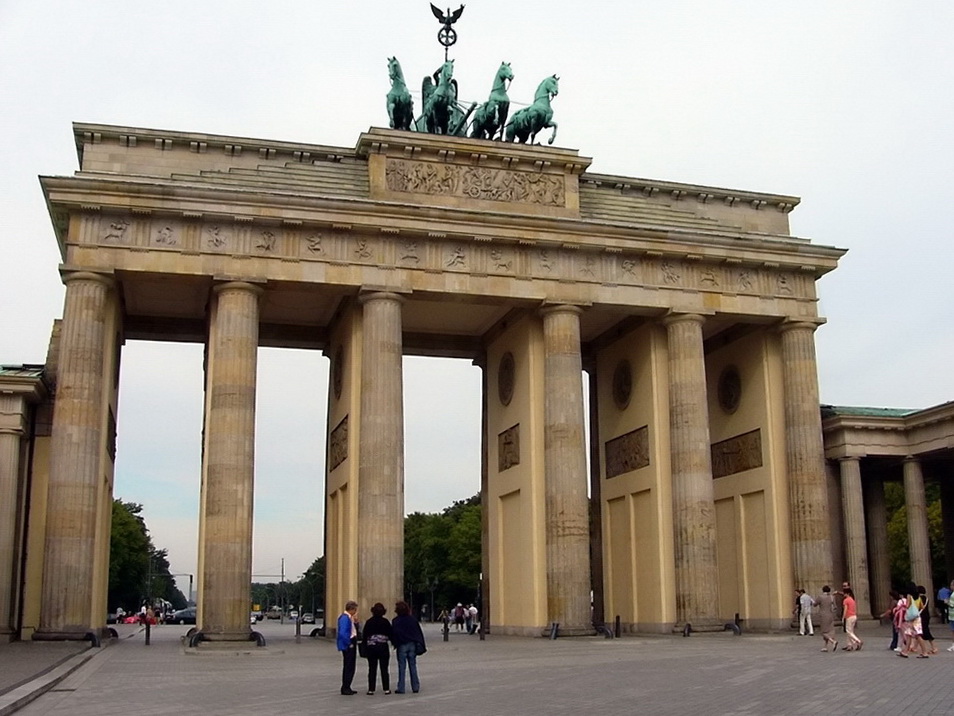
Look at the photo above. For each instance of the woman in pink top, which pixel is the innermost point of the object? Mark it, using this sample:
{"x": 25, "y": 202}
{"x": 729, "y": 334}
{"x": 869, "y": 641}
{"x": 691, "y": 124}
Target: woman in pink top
{"x": 850, "y": 617}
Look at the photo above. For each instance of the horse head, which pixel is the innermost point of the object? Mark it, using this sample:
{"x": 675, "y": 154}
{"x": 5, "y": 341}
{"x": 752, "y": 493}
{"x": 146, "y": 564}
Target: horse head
{"x": 394, "y": 70}
{"x": 505, "y": 73}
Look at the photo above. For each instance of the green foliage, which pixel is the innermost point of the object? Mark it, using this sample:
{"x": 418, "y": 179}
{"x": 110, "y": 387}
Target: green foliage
{"x": 899, "y": 555}
{"x": 137, "y": 570}
{"x": 442, "y": 554}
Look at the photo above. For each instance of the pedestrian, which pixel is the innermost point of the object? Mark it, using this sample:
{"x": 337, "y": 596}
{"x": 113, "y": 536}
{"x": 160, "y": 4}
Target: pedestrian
{"x": 850, "y": 617}
{"x": 892, "y": 613}
{"x": 459, "y": 616}
{"x": 826, "y": 618}
{"x": 468, "y": 619}
{"x": 473, "y": 619}
{"x": 926, "y": 634}
{"x": 805, "y": 602}
{"x": 408, "y": 639}
{"x": 376, "y": 637}
{"x": 347, "y": 639}
{"x": 943, "y": 600}
{"x": 911, "y": 630}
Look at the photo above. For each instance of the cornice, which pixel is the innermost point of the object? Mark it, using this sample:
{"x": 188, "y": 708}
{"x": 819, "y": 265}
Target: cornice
{"x": 193, "y": 200}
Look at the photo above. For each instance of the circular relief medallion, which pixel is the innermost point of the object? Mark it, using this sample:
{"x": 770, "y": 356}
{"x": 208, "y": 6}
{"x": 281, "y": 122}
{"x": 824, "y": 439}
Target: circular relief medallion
{"x": 730, "y": 389}
{"x": 505, "y": 378}
{"x": 337, "y": 372}
{"x": 622, "y": 384}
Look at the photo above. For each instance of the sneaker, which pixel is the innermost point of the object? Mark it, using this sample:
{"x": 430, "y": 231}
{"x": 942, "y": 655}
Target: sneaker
{"x": 898, "y": 648}
{"x": 951, "y": 648}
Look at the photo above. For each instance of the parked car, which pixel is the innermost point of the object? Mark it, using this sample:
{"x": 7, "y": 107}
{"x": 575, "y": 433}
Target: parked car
{"x": 183, "y": 616}
{"x": 307, "y": 618}
{"x": 293, "y": 614}
{"x": 273, "y": 613}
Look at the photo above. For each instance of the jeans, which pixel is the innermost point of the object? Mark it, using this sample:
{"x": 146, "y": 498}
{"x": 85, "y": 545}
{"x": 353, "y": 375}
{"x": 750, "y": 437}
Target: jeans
{"x": 348, "y": 666}
{"x": 407, "y": 657}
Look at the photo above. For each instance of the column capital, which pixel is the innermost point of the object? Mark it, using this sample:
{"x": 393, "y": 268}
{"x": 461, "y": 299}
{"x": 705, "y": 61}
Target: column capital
{"x": 68, "y": 275}
{"x": 378, "y": 295}
{"x": 228, "y": 285}
{"x": 790, "y": 323}
{"x": 849, "y": 458}
{"x": 672, "y": 317}
{"x": 549, "y": 308}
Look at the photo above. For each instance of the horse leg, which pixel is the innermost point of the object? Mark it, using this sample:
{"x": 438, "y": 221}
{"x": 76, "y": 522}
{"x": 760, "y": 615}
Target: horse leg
{"x": 503, "y": 109}
{"x": 552, "y": 136}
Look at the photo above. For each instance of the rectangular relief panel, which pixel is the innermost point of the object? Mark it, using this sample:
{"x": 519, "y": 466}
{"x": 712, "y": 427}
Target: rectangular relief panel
{"x": 627, "y": 452}
{"x": 620, "y": 567}
{"x": 737, "y": 454}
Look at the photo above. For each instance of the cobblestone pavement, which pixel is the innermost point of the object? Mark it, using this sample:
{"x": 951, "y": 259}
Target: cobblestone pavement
{"x": 704, "y": 674}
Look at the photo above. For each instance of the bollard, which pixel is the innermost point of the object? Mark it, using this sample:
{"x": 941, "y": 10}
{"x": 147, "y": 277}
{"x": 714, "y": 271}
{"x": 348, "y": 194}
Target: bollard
{"x": 147, "y": 632}
{"x": 481, "y": 631}
{"x": 616, "y": 629}
{"x": 446, "y": 629}
{"x": 298, "y": 631}
{"x": 554, "y": 630}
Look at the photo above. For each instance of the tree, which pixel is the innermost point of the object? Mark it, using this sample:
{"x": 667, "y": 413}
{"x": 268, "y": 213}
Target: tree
{"x": 442, "y": 554}
{"x": 138, "y": 572}
{"x": 898, "y": 546}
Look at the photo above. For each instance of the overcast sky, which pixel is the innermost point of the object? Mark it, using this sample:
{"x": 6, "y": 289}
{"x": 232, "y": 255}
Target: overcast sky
{"x": 846, "y": 104}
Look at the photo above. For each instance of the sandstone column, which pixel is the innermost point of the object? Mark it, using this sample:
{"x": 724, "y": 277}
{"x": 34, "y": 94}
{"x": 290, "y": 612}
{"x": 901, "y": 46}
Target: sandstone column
{"x": 876, "y": 520}
{"x": 12, "y": 429}
{"x": 856, "y": 548}
{"x": 811, "y": 537}
{"x": 919, "y": 545}
{"x": 381, "y": 454}
{"x": 76, "y": 455}
{"x": 567, "y": 507}
{"x": 225, "y": 549}
{"x": 697, "y": 577}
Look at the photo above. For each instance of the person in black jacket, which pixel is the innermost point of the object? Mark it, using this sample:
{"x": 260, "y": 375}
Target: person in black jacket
{"x": 376, "y": 638}
{"x": 408, "y": 639}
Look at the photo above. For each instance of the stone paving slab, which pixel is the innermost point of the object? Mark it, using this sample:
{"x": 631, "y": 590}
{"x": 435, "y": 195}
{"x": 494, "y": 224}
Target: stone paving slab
{"x": 707, "y": 674}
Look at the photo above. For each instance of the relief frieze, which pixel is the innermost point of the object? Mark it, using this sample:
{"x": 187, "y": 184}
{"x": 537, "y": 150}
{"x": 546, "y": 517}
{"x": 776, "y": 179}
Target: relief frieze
{"x": 116, "y": 231}
{"x": 313, "y": 244}
{"x": 483, "y": 183}
{"x": 338, "y": 445}
{"x": 627, "y": 452}
{"x": 737, "y": 454}
{"x": 508, "y": 448}
{"x": 166, "y": 235}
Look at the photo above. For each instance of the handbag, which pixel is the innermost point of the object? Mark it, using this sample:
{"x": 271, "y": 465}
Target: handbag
{"x": 912, "y": 612}
{"x": 419, "y": 648}
{"x": 362, "y": 650}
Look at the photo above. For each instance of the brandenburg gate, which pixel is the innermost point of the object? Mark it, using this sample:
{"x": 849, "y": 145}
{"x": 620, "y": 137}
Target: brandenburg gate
{"x": 690, "y": 310}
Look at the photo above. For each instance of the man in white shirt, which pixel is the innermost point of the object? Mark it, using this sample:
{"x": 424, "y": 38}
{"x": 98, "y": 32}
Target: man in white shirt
{"x": 805, "y": 602}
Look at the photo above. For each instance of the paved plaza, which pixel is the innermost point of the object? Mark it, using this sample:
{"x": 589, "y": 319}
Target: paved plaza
{"x": 703, "y": 674}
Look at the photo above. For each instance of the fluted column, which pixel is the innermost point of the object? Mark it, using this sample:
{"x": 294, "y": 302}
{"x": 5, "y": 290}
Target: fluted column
{"x": 947, "y": 522}
{"x": 697, "y": 577}
{"x": 876, "y": 519}
{"x": 919, "y": 545}
{"x": 804, "y": 449}
{"x": 567, "y": 507}
{"x": 76, "y": 454}
{"x": 229, "y": 470}
{"x": 12, "y": 412}
{"x": 856, "y": 548}
{"x": 381, "y": 453}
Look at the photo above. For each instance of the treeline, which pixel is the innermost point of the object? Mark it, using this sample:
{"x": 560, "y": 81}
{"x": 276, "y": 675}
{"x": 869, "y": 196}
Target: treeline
{"x": 138, "y": 572}
{"x": 441, "y": 565}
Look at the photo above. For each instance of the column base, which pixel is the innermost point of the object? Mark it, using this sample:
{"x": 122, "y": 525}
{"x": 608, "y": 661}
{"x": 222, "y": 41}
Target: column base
{"x": 92, "y": 635}
{"x": 570, "y": 630}
{"x": 227, "y": 636}
{"x": 703, "y": 624}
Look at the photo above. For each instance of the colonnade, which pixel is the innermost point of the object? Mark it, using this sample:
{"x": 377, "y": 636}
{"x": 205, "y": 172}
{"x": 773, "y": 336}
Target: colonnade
{"x": 70, "y": 606}
{"x": 867, "y": 564}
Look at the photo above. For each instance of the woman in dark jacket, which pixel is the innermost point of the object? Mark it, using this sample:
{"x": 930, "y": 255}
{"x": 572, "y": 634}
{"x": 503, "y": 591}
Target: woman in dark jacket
{"x": 376, "y": 638}
{"x": 409, "y": 641}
